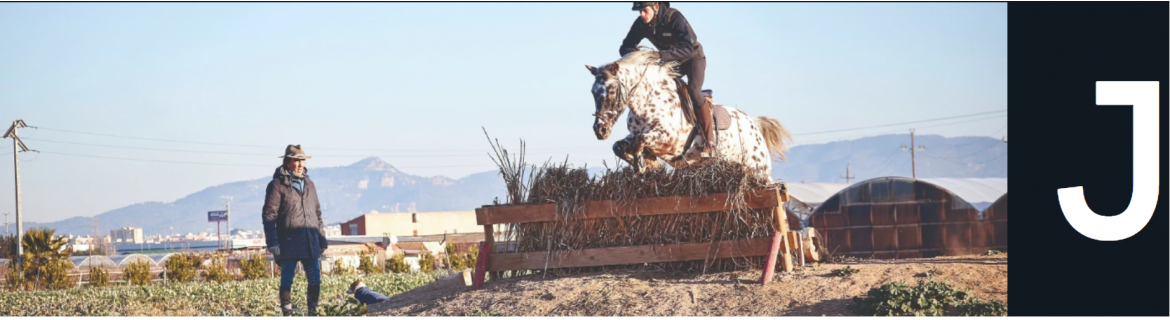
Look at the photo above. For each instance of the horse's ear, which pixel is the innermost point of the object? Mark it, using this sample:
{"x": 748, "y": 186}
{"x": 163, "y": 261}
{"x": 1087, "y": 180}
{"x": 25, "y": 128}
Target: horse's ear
{"x": 613, "y": 68}
{"x": 592, "y": 69}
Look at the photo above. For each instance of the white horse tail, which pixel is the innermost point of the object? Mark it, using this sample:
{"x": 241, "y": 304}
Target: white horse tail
{"x": 774, "y": 135}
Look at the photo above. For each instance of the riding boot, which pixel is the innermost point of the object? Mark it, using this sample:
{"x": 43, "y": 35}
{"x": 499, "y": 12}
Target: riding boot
{"x": 314, "y": 294}
{"x": 708, "y": 130}
{"x": 286, "y": 302}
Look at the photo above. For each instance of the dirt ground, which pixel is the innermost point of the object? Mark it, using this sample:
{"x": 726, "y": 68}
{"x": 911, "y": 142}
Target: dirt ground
{"x": 807, "y": 291}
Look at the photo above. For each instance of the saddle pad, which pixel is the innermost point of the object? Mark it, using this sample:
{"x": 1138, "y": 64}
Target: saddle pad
{"x": 722, "y": 118}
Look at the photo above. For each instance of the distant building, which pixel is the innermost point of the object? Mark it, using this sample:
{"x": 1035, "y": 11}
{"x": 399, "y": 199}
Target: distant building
{"x": 80, "y": 243}
{"x": 333, "y": 230}
{"x": 412, "y": 224}
{"x": 127, "y": 235}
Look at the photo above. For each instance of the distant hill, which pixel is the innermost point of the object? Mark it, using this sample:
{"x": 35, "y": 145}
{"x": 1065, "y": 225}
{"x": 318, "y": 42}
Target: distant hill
{"x": 374, "y": 185}
{"x": 880, "y": 156}
{"x": 345, "y": 192}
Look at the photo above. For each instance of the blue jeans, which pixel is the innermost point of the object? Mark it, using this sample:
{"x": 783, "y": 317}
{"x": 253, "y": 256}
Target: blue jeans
{"x": 288, "y": 269}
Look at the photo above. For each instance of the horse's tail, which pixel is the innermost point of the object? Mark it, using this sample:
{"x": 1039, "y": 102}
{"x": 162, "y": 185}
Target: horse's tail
{"x": 774, "y": 136}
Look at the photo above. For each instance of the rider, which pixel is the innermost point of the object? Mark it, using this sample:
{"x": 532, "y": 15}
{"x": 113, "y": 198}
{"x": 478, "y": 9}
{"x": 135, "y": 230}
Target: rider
{"x": 670, "y": 33}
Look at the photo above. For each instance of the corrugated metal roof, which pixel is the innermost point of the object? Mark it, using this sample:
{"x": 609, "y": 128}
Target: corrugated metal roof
{"x": 973, "y": 189}
{"x": 811, "y": 193}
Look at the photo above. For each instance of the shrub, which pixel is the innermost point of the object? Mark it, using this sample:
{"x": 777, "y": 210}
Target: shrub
{"x": 183, "y": 267}
{"x": 98, "y": 277}
{"x": 255, "y": 267}
{"x": 13, "y": 278}
{"x": 138, "y": 273}
{"x": 397, "y": 264}
{"x": 845, "y": 272}
{"x": 426, "y": 262}
{"x": 977, "y": 307}
{"x": 900, "y": 299}
{"x": 460, "y": 261}
{"x": 216, "y": 271}
{"x": 368, "y": 264}
{"x": 339, "y": 267}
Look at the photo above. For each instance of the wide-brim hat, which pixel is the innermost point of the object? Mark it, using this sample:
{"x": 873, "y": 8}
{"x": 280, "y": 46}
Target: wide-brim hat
{"x": 294, "y": 151}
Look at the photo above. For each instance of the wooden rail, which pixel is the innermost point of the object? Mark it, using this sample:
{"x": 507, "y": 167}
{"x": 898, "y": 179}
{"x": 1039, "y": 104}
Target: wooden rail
{"x": 774, "y": 247}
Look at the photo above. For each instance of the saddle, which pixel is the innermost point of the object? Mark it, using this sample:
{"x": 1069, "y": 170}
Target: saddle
{"x": 722, "y": 118}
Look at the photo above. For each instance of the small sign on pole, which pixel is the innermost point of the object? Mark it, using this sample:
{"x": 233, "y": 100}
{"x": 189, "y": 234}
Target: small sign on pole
{"x": 216, "y": 216}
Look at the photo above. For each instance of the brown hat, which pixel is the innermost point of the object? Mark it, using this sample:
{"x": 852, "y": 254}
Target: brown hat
{"x": 294, "y": 151}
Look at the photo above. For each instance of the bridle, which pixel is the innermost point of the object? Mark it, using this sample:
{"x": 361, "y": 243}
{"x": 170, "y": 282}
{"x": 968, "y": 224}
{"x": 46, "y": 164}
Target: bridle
{"x": 623, "y": 94}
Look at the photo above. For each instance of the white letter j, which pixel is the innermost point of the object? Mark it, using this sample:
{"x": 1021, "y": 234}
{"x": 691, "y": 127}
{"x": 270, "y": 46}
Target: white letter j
{"x": 1143, "y": 96}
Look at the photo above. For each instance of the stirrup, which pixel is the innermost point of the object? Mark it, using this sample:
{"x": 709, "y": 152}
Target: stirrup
{"x": 708, "y": 150}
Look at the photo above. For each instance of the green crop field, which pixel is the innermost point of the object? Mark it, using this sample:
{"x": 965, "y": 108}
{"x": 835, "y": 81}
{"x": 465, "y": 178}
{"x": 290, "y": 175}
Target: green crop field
{"x": 233, "y": 298}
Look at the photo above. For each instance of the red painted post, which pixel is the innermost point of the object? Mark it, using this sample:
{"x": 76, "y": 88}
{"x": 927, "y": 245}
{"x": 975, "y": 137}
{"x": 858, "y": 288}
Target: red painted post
{"x": 770, "y": 264}
{"x": 485, "y": 250}
{"x": 480, "y": 266}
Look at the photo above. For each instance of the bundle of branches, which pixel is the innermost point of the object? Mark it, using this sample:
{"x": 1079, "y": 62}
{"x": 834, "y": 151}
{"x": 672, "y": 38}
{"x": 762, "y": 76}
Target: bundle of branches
{"x": 570, "y": 188}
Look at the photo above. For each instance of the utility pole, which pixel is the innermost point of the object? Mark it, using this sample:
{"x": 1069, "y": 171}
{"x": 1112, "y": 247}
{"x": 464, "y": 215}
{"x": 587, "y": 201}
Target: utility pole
{"x": 228, "y": 221}
{"x": 913, "y": 161}
{"x": 17, "y": 147}
{"x": 847, "y": 177}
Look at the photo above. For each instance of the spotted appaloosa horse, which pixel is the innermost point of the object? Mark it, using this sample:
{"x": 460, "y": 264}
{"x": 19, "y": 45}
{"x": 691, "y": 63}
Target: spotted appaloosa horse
{"x": 659, "y": 128}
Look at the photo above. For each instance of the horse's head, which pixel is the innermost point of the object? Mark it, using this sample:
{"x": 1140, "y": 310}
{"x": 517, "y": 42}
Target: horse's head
{"x": 608, "y": 99}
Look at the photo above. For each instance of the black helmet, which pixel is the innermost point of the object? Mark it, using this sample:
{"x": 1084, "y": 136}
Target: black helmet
{"x": 638, "y": 5}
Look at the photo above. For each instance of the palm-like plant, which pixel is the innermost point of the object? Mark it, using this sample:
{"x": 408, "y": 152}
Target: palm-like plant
{"x": 44, "y": 253}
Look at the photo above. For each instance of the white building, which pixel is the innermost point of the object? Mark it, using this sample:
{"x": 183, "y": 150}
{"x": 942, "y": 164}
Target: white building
{"x": 127, "y": 235}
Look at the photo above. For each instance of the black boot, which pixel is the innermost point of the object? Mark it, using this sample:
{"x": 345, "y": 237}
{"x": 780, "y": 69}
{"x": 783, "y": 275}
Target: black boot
{"x": 286, "y": 302}
{"x": 314, "y": 294}
{"x": 707, "y": 121}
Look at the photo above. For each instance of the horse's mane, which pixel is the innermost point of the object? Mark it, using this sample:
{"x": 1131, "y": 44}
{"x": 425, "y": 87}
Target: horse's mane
{"x": 645, "y": 56}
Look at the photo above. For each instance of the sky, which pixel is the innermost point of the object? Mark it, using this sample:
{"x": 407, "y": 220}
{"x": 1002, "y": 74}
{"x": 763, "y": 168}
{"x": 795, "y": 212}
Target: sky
{"x": 139, "y": 102}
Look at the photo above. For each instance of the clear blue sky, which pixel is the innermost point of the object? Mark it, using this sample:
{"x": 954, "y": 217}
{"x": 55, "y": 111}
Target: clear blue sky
{"x": 414, "y": 82}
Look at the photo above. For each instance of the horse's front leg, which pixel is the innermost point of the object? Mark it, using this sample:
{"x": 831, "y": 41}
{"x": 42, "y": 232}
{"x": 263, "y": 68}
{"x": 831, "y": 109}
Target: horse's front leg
{"x": 649, "y": 160}
{"x": 630, "y": 149}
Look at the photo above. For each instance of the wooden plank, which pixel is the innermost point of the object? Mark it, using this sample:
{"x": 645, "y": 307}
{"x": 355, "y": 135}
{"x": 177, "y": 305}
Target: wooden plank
{"x": 629, "y": 255}
{"x": 782, "y": 228}
{"x": 643, "y": 207}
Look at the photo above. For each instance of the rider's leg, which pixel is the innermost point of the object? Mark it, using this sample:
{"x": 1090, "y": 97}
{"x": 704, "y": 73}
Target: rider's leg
{"x": 697, "y": 71}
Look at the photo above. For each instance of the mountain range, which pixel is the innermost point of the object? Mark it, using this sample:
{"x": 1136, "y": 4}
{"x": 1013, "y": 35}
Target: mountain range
{"x": 374, "y": 185}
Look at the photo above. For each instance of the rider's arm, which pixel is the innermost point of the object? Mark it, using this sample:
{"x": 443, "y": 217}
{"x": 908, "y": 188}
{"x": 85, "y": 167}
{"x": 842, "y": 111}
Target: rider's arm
{"x": 630, "y": 43}
{"x": 686, "y": 41}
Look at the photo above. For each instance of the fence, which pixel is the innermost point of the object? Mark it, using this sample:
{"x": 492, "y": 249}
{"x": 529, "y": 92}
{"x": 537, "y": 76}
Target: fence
{"x": 778, "y": 245}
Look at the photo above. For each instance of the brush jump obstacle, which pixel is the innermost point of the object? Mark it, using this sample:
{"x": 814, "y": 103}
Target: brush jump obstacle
{"x": 778, "y": 246}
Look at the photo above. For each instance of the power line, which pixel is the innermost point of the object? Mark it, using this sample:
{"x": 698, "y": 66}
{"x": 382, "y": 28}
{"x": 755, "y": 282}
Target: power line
{"x": 476, "y": 150}
{"x": 898, "y": 124}
{"x": 241, "y": 164}
{"x": 964, "y": 121}
{"x": 277, "y": 147}
{"x": 156, "y": 139}
{"x": 896, "y": 131}
{"x": 270, "y": 154}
